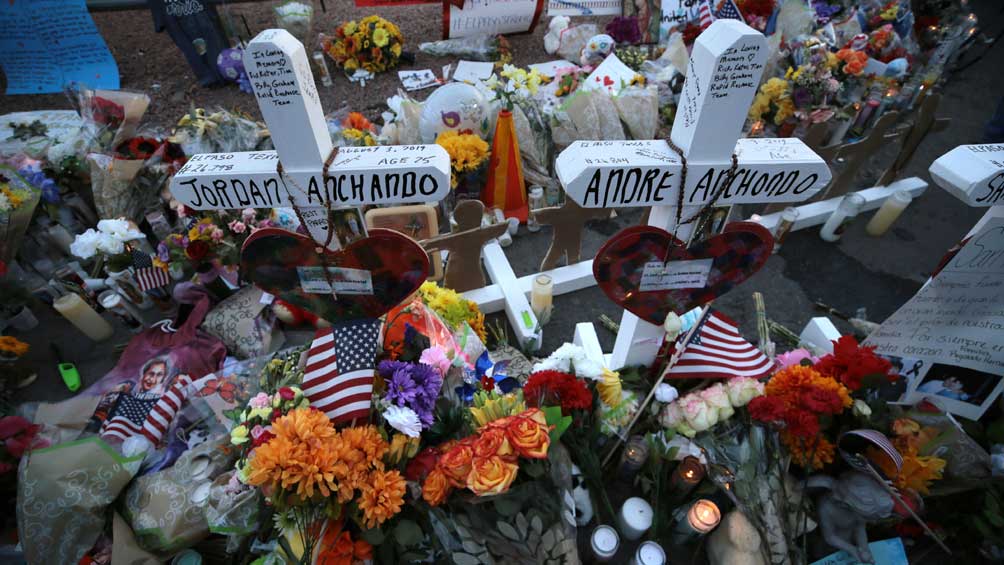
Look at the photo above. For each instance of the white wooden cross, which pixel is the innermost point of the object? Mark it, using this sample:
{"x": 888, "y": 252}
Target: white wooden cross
{"x": 722, "y": 78}
{"x": 279, "y": 70}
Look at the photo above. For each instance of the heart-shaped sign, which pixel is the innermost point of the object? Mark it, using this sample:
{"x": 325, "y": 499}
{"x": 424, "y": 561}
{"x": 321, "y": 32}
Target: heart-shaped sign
{"x": 370, "y": 276}
{"x": 628, "y": 265}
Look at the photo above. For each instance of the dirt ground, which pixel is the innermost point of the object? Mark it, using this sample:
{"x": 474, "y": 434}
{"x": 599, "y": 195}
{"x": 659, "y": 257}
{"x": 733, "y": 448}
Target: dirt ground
{"x": 150, "y": 62}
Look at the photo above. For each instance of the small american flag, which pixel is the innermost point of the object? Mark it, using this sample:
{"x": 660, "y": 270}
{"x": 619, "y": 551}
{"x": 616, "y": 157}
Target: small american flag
{"x": 146, "y": 414}
{"x": 163, "y": 412}
{"x": 727, "y": 10}
{"x": 150, "y": 278}
{"x": 705, "y": 13}
{"x": 341, "y": 362}
{"x": 717, "y": 351}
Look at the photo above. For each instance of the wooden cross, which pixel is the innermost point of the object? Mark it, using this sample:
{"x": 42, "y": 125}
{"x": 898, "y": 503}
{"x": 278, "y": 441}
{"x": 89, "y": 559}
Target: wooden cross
{"x": 924, "y": 123}
{"x": 279, "y": 70}
{"x": 567, "y": 221}
{"x": 723, "y": 75}
{"x": 463, "y": 264}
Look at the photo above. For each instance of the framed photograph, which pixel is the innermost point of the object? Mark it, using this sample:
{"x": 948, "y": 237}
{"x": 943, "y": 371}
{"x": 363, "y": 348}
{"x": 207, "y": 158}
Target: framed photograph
{"x": 348, "y": 225}
{"x": 417, "y": 221}
{"x": 958, "y": 390}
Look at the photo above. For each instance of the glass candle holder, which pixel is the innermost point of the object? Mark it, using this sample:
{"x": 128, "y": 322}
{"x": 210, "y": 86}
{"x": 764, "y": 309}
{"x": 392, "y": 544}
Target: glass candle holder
{"x": 649, "y": 553}
{"x": 888, "y": 213}
{"x": 634, "y": 456}
{"x": 536, "y": 202}
{"x": 702, "y": 517}
{"x": 604, "y": 543}
{"x": 688, "y": 474}
{"x": 541, "y": 297}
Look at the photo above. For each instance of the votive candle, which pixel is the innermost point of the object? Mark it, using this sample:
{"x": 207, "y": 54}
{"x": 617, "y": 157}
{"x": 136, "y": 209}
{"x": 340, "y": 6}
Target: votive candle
{"x": 541, "y": 297}
{"x": 634, "y": 518}
{"x": 604, "y": 542}
{"x": 634, "y": 457}
{"x": 888, "y": 213}
{"x": 80, "y": 314}
{"x": 702, "y": 517}
{"x": 649, "y": 553}
{"x": 688, "y": 474}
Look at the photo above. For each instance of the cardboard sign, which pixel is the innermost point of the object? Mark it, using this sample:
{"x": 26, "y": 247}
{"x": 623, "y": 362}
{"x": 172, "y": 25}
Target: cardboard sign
{"x": 611, "y": 75}
{"x": 956, "y": 321}
{"x": 676, "y": 14}
{"x": 972, "y": 173}
{"x": 47, "y": 44}
{"x": 583, "y": 8}
{"x": 464, "y": 18}
{"x": 473, "y": 71}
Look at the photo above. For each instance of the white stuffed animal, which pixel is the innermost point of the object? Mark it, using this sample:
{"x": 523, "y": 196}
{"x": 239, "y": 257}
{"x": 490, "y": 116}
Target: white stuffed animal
{"x": 735, "y": 542}
{"x": 552, "y": 39}
{"x": 596, "y": 49}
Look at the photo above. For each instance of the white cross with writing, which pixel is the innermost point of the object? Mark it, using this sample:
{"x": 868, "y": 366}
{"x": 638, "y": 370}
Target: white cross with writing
{"x": 277, "y": 65}
{"x": 722, "y": 78}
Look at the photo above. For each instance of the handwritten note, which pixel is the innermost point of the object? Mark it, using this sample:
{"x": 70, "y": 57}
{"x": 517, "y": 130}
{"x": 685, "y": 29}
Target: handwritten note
{"x": 479, "y": 17}
{"x": 473, "y": 71}
{"x": 47, "y": 44}
{"x": 958, "y": 318}
{"x": 675, "y": 274}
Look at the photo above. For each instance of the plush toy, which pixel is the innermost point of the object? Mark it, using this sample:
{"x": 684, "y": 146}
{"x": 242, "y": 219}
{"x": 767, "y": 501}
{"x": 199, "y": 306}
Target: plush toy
{"x": 580, "y": 493}
{"x": 596, "y": 49}
{"x": 552, "y": 39}
{"x": 735, "y": 542}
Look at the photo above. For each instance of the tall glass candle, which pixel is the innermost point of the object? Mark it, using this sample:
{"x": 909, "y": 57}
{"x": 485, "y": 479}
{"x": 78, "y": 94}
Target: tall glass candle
{"x": 634, "y": 518}
{"x": 634, "y": 456}
{"x": 702, "y": 517}
{"x": 74, "y": 309}
{"x": 888, "y": 213}
{"x": 688, "y": 474}
{"x": 788, "y": 217}
{"x": 541, "y": 297}
{"x": 604, "y": 542}
{"x": 838, "y": 221}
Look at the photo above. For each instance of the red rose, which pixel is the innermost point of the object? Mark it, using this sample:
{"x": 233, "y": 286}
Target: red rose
{"x": 422, "y": 464}
{"x": 286, "y": 393}
{"x": 821, "y": 401}
{"x": 801, "y": 423}
{"x": 767, "y": 408}
{"x": 197, "y": 250}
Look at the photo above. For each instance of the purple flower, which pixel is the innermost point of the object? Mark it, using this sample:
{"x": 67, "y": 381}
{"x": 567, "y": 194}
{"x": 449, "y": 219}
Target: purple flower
{"x": 624, "y": 29}
{"x": 401, "y": 388}
{"x": 163, "y": 253}
{"x": 415, "y": 385}
{"x": 801, "y": 97}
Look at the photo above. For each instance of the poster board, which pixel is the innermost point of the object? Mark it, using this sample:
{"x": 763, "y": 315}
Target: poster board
{"x": 463, "y": 18}
{"x": 955, "y": 326}
{"x": 676, "y": 14}
{"x": 586, "y": 7}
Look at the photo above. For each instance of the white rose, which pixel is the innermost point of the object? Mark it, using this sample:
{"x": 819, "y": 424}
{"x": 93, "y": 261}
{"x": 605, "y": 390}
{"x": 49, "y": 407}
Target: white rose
{"x": 666, "y": 393}
{"x": 85, "y": 245}
{"x": 110, "y": 244}
{"x": 120, "y": 229}
{"x": 861, "y": 408}
{"x": 716, "y": 397}
{"x": 743, "y": 389}
{"x": 670, "y": 415}
{"x": 672, "y": 325}
{"x": 697, "y": 415}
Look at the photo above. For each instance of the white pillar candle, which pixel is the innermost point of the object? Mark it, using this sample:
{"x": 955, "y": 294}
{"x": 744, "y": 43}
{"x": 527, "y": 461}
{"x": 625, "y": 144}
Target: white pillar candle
{"x": 635, "y": 518}
{"x": 542, "y": 295}
{"x": 888, "y": 213}
{"x": 74, "y": 309}
{"x": 649, "y": 553}
{"x": 841, "y": 217}
{"x": 604, "y": 542}
{"x": 536, "y": 202}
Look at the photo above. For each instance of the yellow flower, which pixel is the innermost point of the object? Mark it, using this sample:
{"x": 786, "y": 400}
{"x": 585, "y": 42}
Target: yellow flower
{"x": 351, "y": 64}
{"x": 785, "y": 110}
{"x": 396, "y": 49}
{"x": 402, "y": 447}
{"x": 350, "y": 28}
{"x": 609, "y": 388}
{"x": 239, "y": 435}
{"x": 380, "y": 37}
{"x": 774, "y": 88}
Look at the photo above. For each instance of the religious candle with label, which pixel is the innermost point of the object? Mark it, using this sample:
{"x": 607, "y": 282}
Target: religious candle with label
{"x": 604, "y": 542}
{"x": 74, "y": 309}
{"x": 888, "y": 213}
{"x": 322, "y": 68}
{"x": 838, "y": 221}
{"x": 649, "y": 553}
{"x": 788, "y": 217}
{"x": 635, "y": 518}
{"x": 541, "y": 296}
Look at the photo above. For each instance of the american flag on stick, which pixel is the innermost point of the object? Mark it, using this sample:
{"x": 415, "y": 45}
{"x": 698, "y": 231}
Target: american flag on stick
{"x": 727, "y": 10}
{"x": 152, "y": 277}
{"x": 717, "y": 351}
{"x": 341, "y": 362}
{"x": 704, "y": 11}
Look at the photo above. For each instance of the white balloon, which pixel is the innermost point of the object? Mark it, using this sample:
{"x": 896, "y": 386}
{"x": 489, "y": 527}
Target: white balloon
{"x": 457, "y": 106}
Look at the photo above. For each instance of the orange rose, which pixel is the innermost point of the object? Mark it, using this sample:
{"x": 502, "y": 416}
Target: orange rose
{"x": 528, "y": 437}
{"x": 500, "y": 423}
{"x": 537, "y": 415}
{"x": 456, "y": 463}
{"x": 436, "y": 487}
{"x": 492, "y": 442}
{"x": 491, "y": 475}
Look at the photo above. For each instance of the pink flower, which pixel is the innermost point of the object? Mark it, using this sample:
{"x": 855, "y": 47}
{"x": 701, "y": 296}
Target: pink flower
{"x": 436, "y": 358}
{"x": 794, "y": 357}
{"x": 248, "y": 214}
{"x": 257, "y": 431}
{"x": 12, "y": 425}
{"x": 237, "y": 226}
{"x": 217, "y": 234}
{"x": 260, "y": 400}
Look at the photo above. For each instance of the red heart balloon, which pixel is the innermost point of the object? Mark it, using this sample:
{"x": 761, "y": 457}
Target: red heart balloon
{"x": 375, "y": 273}
{"x": 736, "y": 254}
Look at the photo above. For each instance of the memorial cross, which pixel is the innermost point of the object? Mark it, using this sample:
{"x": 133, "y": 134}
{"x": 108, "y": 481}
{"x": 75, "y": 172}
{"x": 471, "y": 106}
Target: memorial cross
{"x": 314, "y": 177}
{"x": 972, "y": 173}
{"x": 722, "y": 77}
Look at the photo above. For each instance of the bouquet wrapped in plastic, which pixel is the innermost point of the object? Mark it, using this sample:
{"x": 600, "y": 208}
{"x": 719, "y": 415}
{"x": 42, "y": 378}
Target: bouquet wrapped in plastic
{"x": 220, "y": 131}
{"x": 295, "y": 17}
{"x": 18, "y": 199}
{"x": 472, "y": 48}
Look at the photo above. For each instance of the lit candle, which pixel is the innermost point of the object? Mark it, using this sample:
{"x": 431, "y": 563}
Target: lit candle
{"x": 702, "y": 517}
{"x": 604, "y": 542}
{"x": 114, "y": 303}
{"x": 635, "y": 518}
{"x": 688, "y": 474}
{"x": 788, "y": 217}
{"x": 888, "y": 213}
{"x": 838, "y": 221}
{"x": 756, "y": 130}
{"x": 74, "y": 309}
{"x": 541, "y": 295}
{"x": 890, "y": 95}
{"x": 634, "y": 457}
{"x": 649, "y": 553}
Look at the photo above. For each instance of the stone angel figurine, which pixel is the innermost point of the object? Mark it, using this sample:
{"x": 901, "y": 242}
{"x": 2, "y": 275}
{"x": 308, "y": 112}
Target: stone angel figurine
{"x": 850, "y": 502}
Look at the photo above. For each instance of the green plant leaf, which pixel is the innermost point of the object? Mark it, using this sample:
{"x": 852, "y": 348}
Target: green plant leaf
{"x": 373, "y": 536}
{"x": 508, "y": 531}
{"x": 464, "y": 559}
{"x": 558, "y": 422}
{"x": 408, "y": 533}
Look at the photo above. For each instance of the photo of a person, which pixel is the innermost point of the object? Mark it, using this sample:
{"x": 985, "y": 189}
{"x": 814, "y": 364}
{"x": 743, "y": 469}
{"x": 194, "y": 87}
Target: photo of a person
{"x": 153, "y": 377}
{"x": 959, "y": 390}
{"x": 951, "y": 387}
